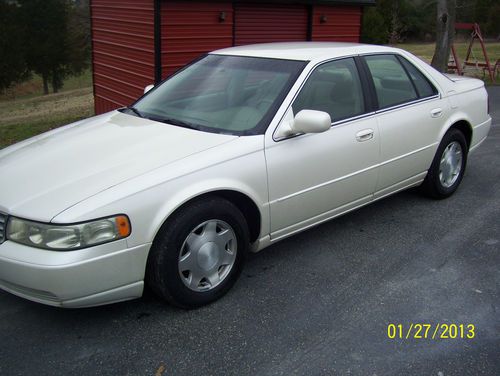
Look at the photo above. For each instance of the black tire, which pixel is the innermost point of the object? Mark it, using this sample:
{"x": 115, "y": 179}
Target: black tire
{"x": 432, "y": 185}
{"x": 162, "y": 272}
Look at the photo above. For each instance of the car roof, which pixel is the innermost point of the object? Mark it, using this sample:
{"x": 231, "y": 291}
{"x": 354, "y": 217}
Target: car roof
{"x": 303, "y": 51}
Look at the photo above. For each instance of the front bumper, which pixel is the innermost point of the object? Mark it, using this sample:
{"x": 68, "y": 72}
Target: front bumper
{"x": 104, "y": 274}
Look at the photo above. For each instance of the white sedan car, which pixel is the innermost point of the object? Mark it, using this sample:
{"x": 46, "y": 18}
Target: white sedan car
{"x": 242, "y": 148}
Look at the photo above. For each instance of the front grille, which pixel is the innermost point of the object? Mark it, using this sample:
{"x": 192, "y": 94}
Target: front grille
{"x": 3, "y": 227}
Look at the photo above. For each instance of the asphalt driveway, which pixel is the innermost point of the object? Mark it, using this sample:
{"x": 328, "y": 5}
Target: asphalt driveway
{"x": 318, "y": 303}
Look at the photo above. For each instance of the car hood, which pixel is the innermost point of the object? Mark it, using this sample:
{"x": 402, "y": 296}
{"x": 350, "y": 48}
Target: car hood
{"x": 47, "y": 174}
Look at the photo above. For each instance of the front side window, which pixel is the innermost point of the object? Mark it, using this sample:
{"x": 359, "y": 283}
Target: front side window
{"x": 392, "y": 84}
{"x": 334, "y": 88}
{"x": 222, "y": 94}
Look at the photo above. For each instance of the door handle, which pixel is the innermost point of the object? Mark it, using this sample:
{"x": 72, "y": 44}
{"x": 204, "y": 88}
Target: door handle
{"x": 436, "y": 112}
{"x": 364, "y": 135}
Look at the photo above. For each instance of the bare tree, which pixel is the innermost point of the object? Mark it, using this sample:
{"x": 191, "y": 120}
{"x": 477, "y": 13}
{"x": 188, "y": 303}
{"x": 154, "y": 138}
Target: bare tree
{"x": 445, "y": 32}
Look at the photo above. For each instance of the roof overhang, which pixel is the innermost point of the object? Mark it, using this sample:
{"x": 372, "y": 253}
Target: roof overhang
{"x": 307, "y": 2}
{"x": 322, "y": 2}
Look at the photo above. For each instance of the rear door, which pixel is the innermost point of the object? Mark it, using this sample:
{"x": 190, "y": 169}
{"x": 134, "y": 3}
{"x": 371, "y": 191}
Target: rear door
{"x": 410, "y": 115}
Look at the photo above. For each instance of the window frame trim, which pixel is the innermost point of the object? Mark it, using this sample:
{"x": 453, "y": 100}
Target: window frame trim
{"x": 405, "y": 104}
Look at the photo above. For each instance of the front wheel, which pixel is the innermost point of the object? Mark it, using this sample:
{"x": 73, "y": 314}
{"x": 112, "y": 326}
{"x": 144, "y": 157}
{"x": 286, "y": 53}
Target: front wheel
{"x": 448, "y": 166}
{"x": 199, "y": 253}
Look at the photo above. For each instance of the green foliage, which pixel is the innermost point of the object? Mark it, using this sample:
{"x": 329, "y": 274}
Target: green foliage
{"x": 396, "y": 21}
{"x": 48, "y": 37}
{"x": 13, "y": 67}
{"x": 485, "y": 12}
{"x": 492, "y": 27}
{"x": 374, "y": 29}
{"x": 420, "y": 20}
{"x": 79, "y": 36}
{"x": 54, "y": 49}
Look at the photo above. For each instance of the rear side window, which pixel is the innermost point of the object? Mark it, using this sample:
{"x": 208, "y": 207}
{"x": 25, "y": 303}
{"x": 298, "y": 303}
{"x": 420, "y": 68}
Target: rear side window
{"x": 424, "y": 87}
{"x": 392, "y": 84}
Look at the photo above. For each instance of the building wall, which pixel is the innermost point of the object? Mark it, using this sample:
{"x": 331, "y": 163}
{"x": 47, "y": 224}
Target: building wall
{"x": 336, "y": 23}
{"x": 261, "y": 23}
{"x": 123, "y": 51}
{"x": 123, "y": 36}
{"x": 192, "y": 28}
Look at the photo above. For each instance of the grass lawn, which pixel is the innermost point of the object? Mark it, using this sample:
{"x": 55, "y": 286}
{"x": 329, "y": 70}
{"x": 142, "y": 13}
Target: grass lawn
{"x": 10, "y": 134}
{"x": 34, "y": 87}
{"x": 25, "y": 112}
{"x": 26, "y": 117}
{"x": 425, "y": 51}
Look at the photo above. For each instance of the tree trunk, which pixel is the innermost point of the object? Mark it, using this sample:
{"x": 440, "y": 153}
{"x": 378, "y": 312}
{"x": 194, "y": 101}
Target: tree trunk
{"x": 55, "y": 83}
{"x": 45, "y": 79}
{"x": 57, "y": 80}
{"x": 445, "y": 32}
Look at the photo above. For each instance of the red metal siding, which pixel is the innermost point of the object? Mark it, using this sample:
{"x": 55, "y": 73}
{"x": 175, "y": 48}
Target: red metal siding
{"x": 192, "y": 28}
{"x": 123, "y": 51}
{"x": 341, "y": 23}
{"x": 261, "y": 23}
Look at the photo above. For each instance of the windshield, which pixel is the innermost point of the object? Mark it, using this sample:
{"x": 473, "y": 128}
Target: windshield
{"x": 222, "y": 94}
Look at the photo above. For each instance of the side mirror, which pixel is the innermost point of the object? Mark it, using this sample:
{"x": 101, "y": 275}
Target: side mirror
{"x": 147, "y": 88}
{"x": 312, "y": 121}
{"x": 306, "y": 121}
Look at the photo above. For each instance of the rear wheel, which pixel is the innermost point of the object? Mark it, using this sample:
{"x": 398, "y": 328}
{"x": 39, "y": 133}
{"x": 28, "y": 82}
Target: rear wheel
{"x": 199, "y": 253}
{"x": 448, "y": 166}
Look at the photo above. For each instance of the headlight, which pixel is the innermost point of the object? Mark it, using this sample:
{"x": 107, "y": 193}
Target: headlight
{"x": 67, "y": 237}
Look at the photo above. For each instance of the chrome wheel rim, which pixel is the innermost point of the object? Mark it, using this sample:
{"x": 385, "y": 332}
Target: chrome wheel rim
{"x": 207, "y": 255}
{"x": 451, "y": 164}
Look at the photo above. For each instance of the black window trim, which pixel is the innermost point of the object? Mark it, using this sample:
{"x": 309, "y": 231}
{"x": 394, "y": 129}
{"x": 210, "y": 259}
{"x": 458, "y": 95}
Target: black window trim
{"x": 368, "y": 84}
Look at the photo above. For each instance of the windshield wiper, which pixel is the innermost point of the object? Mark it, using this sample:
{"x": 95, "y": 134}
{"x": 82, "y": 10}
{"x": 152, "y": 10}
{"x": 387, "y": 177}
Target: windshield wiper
{"x": 177, "y": 122}
{"x": 135, "y": 111}
{"x": 172, "y": 121}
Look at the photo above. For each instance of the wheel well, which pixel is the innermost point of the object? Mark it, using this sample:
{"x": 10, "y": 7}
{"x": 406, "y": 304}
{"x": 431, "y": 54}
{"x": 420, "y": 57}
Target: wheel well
{"x": 244, "y": 203}
{"x": 464, "y": 127}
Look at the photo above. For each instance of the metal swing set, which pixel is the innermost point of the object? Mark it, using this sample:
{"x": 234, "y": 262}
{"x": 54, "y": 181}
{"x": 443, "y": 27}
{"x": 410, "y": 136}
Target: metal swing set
{"x": 470, "y": 59}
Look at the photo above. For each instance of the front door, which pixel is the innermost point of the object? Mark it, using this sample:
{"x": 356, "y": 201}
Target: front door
{"x": 313, "y": 177}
